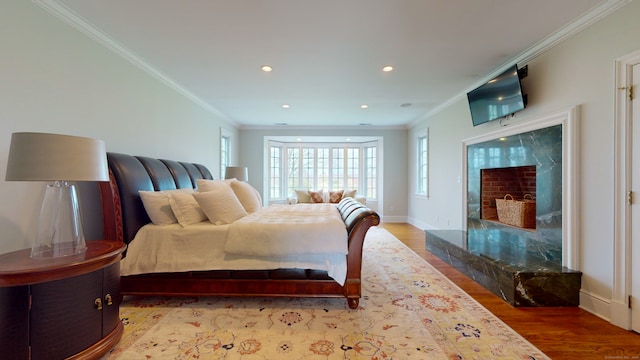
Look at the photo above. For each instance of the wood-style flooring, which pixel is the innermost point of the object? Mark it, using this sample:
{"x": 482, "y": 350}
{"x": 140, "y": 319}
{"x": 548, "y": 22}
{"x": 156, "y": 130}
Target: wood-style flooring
{"x": 560, "y": 332}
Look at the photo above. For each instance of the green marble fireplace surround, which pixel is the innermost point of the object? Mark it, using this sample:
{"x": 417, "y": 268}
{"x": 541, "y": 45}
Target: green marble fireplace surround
{"x": 522, "y": 266}
{"x": 540, "y": 148}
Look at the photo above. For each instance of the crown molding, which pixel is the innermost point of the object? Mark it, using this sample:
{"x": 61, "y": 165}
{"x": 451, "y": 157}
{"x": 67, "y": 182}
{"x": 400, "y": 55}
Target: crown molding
{"x": 69, "y": 17}
{"x": 323, "y": 127}
{"x": 66, "y": 15}
{"x": 604, "y": 9}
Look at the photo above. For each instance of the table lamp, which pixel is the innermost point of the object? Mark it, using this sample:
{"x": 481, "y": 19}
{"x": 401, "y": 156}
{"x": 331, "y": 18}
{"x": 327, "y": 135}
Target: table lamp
{"x": 57, "y": 158}
{"x": 238, "y": 172}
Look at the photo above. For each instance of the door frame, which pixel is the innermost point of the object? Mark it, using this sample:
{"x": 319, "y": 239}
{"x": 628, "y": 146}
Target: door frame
{"x": 622, "y": 239}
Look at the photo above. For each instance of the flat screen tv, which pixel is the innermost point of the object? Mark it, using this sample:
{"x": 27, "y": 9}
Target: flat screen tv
{"x": 497, "y": 98}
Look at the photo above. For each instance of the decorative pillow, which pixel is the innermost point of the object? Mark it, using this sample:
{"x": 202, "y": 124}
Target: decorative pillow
{"x": 247, "y": 195}
{"x": 335, "y": 196}
{"x": 220, "y": 205}
{"x": 258, "y": 196}
{"x": 157, "y": 206}
{"x": 303, "y": 196}
{"x": 186, "y": 208}
{"x": 349, "y": 193}
{"x": 316, "y": 196}
{"x": 208, "y": 185}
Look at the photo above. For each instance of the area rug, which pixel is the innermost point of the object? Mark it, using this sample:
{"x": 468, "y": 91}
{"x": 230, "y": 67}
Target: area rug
{"x": 408, "y": 311}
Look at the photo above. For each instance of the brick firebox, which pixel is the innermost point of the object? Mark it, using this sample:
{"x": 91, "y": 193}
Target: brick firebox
{"x": 495, "y": 183}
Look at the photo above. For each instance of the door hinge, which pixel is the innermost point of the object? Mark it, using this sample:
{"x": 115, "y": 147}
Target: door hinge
{"x": 629, "y": 90}
{"x": 629, "y": 301}
{"x": 630, "y": 197}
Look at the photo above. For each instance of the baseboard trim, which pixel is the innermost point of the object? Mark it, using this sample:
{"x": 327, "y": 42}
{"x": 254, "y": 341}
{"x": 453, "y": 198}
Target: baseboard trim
{"x": 394, "y": 219}
{"x": 620, "y": 314}
{"x": 419, "y": 224}
{"x": 596, "y": 305}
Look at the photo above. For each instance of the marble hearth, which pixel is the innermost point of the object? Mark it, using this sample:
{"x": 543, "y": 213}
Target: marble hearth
{"x": 509, "y": 263}
{"x": 524, "y": 266}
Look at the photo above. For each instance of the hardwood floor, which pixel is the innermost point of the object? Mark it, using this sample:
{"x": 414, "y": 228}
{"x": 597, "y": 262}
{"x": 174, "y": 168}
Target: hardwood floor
{"x": 560, "y": 332}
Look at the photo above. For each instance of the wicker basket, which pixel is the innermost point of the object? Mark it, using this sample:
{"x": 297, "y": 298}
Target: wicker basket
{"x": 520, "y": 213}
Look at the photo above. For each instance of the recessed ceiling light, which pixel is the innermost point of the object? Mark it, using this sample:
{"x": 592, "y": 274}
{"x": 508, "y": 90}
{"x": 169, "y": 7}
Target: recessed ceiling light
{"x": 387, "y": 68}
{"x": 286, "y": 106}
{"x": 364, "y": 106}
{"x": 266, "y": 68}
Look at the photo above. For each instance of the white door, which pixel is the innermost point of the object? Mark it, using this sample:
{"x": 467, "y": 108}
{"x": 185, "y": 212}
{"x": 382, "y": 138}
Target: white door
{"x": 635, "y": 206}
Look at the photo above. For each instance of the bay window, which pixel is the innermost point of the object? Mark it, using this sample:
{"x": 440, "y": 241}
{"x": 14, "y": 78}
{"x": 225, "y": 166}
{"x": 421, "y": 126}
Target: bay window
{"x": 322, "y": 166}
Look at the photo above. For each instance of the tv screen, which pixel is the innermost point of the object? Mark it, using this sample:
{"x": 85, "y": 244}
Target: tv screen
{"x": 499, "y": 97}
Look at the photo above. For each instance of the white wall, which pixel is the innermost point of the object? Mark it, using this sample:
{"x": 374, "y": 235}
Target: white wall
{"x": 394, "y": 188}
{"x": 55, "y": 79}
{"x": 577, "y": 72}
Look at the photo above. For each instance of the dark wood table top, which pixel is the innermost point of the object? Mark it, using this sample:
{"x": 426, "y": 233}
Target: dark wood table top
{"x": 17, "y": 268}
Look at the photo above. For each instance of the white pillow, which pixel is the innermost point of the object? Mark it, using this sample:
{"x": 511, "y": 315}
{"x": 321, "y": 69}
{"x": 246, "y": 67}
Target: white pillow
{"x": 220, "y": 205}
{"x": 157, "y": 206}
{"x": 349, "y": 193}
{"x": 247, "y": 195}
{"x": 303, "y": 196}
{"x": 208, "y": 185}
{"x": 186, "y": 208}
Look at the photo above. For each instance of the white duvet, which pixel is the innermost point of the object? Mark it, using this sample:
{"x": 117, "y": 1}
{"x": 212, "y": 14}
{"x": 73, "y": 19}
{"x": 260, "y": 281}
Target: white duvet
{"x": 300, "y": 236}
{"x": 289, "y": 230}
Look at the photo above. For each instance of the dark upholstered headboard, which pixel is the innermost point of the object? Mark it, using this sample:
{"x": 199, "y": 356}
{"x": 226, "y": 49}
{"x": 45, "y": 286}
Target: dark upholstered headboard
{"x": 122, "y": 210}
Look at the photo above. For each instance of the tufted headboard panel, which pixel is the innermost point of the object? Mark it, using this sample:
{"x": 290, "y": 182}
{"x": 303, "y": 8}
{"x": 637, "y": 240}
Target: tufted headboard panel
{"x": 179, "y": 174}
{"x": 122, "y": 210}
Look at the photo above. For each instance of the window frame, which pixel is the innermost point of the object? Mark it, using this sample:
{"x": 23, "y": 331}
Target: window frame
{"x": 328, "y": 149}
{"x": 225, "y": 151}
{"x": 422, "y": 164}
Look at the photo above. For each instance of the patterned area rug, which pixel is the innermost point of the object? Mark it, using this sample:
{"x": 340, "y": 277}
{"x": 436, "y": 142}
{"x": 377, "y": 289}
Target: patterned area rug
{"x": 408, "y": 311}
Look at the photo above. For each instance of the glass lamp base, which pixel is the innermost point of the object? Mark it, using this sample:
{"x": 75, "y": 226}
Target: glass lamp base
{"x": 59, "y": 230}
{"x": 57, "y": 250}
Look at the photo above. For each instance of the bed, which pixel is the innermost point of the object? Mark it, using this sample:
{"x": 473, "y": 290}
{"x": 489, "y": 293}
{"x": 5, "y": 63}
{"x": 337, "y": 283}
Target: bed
{"x": 236, "y": 274}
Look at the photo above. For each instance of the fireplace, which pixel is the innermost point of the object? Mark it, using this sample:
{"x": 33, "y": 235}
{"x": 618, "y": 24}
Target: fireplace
{"x": 525, "y": 163}
{"x": 524, "y": 266}
{"x": 518, "y": 182}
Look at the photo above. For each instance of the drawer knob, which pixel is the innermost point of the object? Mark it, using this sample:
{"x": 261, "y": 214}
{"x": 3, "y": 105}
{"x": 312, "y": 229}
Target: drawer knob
{"x": 98, "y": 303}
{"x": 109, "y": 299}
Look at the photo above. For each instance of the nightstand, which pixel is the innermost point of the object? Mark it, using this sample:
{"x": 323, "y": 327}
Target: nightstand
{"x": 60, "y": 308}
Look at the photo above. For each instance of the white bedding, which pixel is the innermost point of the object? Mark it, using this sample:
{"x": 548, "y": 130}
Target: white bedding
{"x": 289, "y": 230}
{"x": 203, "y": 246}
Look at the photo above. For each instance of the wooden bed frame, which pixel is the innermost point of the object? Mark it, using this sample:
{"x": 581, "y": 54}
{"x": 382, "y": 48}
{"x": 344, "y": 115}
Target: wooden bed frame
{"x": 123, "y": 214}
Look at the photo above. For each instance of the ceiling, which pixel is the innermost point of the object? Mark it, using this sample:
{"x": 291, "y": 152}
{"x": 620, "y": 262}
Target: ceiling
{"x": 327, "y": 56}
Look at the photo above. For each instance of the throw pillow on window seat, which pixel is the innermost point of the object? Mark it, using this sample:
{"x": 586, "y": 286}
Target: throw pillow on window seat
{"x": 316, "y": 196}
{"x": 335, "y": 196}
{"x": 349, "y": 193}
{"x": 303, "y": 196}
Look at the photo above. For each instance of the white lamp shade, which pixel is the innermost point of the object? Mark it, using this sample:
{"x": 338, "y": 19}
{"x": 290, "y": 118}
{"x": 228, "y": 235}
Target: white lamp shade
{"x": 50, "y": 157}
{"x": 238, "y": 172}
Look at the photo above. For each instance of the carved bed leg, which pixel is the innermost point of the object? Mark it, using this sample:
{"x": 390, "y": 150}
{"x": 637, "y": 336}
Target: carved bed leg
{"x": 353, "y": 303}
